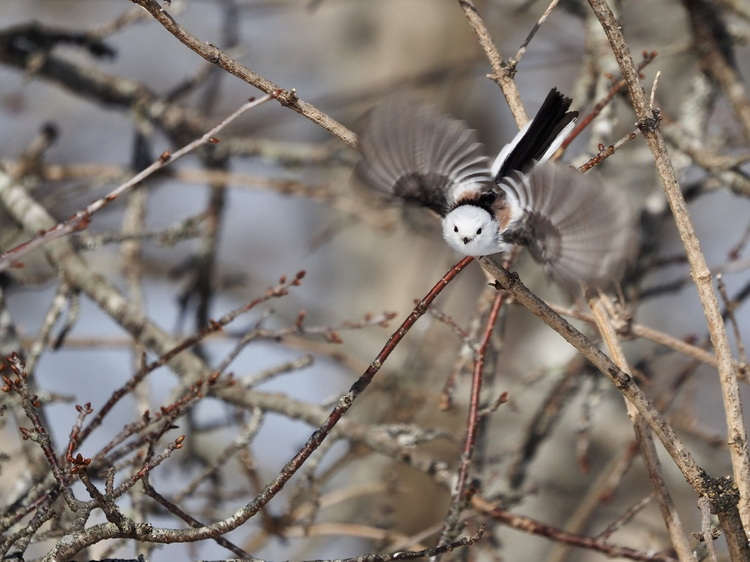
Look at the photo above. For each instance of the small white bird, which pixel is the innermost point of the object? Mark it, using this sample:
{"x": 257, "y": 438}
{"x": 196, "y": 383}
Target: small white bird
{"x": 581, "y": 230}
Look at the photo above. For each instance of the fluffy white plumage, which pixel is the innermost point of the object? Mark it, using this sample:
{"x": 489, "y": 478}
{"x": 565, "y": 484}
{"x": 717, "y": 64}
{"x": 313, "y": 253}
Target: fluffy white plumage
{"x": 581, "y": 230}
{"x": 473, "y": 231}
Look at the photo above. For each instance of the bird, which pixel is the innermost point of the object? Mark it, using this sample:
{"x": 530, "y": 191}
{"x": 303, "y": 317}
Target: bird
{"x": 579, "y": 228}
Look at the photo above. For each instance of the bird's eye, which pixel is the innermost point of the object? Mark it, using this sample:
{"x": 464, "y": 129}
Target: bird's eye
{"x": 479, "y": 231}
{"x": 455, "y": 229}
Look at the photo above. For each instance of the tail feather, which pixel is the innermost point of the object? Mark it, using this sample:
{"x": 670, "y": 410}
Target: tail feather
{"x": 540, "y": 139}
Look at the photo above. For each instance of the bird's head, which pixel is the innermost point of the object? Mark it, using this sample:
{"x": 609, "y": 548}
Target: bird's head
{"x": 472, "y": 231}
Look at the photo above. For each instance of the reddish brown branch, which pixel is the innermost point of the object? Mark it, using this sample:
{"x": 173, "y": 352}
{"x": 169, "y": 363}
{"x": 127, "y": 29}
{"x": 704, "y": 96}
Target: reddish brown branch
{"x": 346, "y": 401}
{"x": 472, "y": 432}
{"x": 529, "y": 525}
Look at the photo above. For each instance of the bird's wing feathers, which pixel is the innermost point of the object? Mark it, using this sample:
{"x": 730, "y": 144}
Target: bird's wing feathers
{"x": 580, "y": 229}
{"x": 417, "y": 154}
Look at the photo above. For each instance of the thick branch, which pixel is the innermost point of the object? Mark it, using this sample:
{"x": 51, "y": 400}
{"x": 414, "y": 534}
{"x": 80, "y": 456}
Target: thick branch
{"x": 648, "y": 122}
{"x": 622, "y": 381}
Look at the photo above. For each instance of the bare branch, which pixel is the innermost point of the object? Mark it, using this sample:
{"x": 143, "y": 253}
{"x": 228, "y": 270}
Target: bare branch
{"x": 648, "y": 122}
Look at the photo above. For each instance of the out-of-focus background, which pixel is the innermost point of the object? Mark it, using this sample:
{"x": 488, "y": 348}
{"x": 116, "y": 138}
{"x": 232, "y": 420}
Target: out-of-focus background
{"x": 216, "y": 229}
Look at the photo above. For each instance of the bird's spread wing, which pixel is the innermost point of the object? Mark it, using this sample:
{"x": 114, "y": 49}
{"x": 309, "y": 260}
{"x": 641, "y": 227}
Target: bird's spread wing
{"x": 417, "y": 154}
{"x": 580, "y": 229}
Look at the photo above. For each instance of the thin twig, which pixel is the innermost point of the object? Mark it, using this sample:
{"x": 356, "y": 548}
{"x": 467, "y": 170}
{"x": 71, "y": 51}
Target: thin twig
{"x": 529, "y": 525}
{"x": 729, "y": 307}
{"x": 641, "y": 331}
{"x": 586, "y": 120}
{"x": 82, "y": 218}
{"x": 707, "y": 529}
{"x": 214, "y": 55}
{"x": 537, "y": 26}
